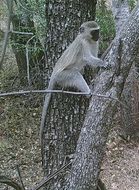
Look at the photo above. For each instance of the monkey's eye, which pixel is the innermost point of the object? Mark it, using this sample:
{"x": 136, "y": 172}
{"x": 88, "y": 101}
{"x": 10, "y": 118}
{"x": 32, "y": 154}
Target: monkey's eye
{"x": 81, "y": 30}
{"x": 95, "y": 34}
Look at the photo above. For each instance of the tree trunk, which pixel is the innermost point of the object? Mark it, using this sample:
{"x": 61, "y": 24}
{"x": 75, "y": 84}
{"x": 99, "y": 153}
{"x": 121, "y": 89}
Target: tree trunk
{"x": 120, "y": 11}
{"x": 98, "y": 122}
{"x": 66, "y": 112}
{"x": 22, "y": 22}
{"x": 128, "y": 117}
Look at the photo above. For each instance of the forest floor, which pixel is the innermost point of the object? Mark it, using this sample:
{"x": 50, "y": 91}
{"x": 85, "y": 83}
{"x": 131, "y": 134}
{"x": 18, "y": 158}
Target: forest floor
{"x": 120, "y": 170}
{"x": 19, "y": 142}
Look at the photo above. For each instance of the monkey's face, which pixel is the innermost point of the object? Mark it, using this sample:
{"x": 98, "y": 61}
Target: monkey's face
{"x": 89, "y": 33}
{"x": 94, "y": 34}
{"x": 90, "y": 30}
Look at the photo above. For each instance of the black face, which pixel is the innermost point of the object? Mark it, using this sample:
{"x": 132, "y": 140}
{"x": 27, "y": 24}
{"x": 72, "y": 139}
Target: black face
{"x": 95, "y": 34}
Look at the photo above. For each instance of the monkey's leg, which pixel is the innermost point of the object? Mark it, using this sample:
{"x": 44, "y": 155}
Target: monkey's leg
{"x": 75, "y": 79}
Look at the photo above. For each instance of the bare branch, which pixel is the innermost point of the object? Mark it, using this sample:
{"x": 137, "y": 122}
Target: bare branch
{"x": 10, "y": 182}
{"x": 20, "y": 177}
{"x": 46, "y": 179}
{"x": 42, "y": 91}
{"x": 25, "y": 8}
{"x": 58, "y": 91}
{"x": 107, "y": 51}
{"x": 22, "y": 33}
{"x": 27, "y": 59}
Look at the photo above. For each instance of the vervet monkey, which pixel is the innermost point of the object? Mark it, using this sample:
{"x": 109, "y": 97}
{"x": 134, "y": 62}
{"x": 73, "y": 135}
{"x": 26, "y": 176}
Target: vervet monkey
{"x": 83, "y": 51}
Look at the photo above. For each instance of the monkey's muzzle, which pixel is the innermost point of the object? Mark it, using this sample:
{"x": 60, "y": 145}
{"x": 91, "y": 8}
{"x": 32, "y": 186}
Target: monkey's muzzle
{"x": 95, "y": 34}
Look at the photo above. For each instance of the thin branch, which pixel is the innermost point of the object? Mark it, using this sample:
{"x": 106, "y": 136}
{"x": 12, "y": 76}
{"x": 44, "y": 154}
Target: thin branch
{"x": 107, "y": 51}
{"x": 57, "y": 91}
{"x": 48, "y": 91}
{"x": 46, "y": 179}
{"x": 25, "y": 8}
{"x": 10, "y": 182}
{"x": 20, "y": 177}
{"x": 22, "y": 33}
{"x": 27, "y": 59}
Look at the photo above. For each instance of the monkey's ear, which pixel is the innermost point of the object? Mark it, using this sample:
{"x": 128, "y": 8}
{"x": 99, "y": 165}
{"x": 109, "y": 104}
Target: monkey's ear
{"x": 81, "y": 29}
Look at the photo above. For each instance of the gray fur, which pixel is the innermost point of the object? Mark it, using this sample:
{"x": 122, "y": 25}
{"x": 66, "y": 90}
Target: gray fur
{"x": 67, "y": 71}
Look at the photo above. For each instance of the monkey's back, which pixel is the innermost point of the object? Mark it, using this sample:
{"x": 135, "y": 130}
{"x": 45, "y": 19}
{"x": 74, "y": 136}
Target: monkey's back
{"x": 69, "y": 56}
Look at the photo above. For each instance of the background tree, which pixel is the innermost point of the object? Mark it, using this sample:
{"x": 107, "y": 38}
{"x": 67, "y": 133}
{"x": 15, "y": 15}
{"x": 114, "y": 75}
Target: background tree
{"x": 25, "y": 41}
{"x": 129, "y": 117}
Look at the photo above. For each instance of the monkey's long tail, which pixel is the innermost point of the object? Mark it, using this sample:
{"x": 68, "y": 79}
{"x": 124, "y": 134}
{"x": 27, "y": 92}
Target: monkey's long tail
{"x": 44, "y": 112}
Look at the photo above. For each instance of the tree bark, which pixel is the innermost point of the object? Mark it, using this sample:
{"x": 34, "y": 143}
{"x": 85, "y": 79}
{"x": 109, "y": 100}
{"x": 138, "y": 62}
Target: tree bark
{"x": 98, "y": 121}
{"x": 66, "y": 112}
{"x": 121, "y": 13}
{"x": 128, "y": 117}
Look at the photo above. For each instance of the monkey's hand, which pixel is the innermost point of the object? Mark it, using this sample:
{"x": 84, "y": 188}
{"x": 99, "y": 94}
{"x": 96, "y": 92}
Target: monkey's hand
{"x": 89, "y": 59}
{"x": 99, "y": 62}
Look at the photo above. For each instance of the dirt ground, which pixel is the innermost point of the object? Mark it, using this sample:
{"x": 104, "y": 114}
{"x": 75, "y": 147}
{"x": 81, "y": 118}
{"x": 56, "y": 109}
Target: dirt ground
{"x": 120, "y": 170}
{"x": 19, "y": 142}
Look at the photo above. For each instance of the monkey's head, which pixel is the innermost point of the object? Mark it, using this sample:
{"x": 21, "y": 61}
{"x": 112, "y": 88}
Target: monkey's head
{"x": 90, "y": 30}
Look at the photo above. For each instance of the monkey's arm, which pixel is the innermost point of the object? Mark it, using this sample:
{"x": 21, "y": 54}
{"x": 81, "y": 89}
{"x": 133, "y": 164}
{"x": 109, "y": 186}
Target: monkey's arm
{"x": 89, "y": 58}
